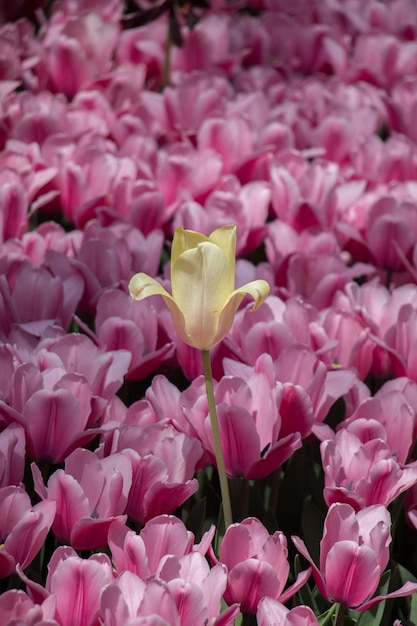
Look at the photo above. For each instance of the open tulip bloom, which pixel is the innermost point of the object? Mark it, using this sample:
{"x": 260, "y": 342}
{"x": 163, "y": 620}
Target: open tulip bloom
{"x": 203, "y": 301}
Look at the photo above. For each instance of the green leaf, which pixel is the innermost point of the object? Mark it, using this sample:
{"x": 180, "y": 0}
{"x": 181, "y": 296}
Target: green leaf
{"x": 413, "y": 609}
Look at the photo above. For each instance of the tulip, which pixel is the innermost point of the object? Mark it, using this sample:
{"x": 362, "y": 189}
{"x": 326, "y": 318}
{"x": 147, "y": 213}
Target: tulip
{"x": 257, "y": 565}
{"x": 203, "y": 301}
{"x": 354, "y": 552}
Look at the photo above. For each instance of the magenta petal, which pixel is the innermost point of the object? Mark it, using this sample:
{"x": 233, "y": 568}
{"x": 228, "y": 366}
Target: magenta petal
{"x": 406, "y": 590}
{"x": 296, "y": 410}
{"x": 352, "y": 573}
{"x": 165, "y": 498}
{"x": 250, "y": 581}
{"x": 190, "y": 602}
{"x": 157, "y": 599}
{"x": 340, "y": 523}
{"x": 239, "y": 437}
{"x": 165, "y": 534}
{"x": 78, "y": 584}
{"x": 53, "y": 419}
{"x": 275, "y": 457}
{"x": 28, "y": 536}
{"x": 292, "y": 590}
{"x": 7, "y": 564}
{"x": 90, "y": 534}
{"x": 301, "y": 547}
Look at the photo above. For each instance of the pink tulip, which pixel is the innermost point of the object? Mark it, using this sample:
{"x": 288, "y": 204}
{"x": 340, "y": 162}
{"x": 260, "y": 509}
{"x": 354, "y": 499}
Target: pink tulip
{"x": 77, "y": 585}
{"x": 90, "y": 494}
{"x": 198, "y": 588}
{"x": 104, "y": 371}
{"x": 13, "y": 211}
{"x": 166, "y": 402}
{"x": 108, "y": 256}
{"x": 84, "y": 45}
{"x": 363, "y": 472}
{"x": 257, "y": 565}
{"x": 29, "y": 313}
{"x": 12, "y": 455}
{"x": 144, "y": 46}
{"x": 145, "y": 553}
{"x": 262, "y": 445}
{"x": 156, "y": 603}
{"x": 23, "y": 528}
{"x": 205, "y": 46}
{"x": 354, "y": 552}
{"x": 16, "y": 607}
{"x": 272, "y": 613}
{"x": 181, "y": 168}
{"x": 121, "y": 326}
{"x": 355, "y": 347}
{"x": 276, "y": 325}
{"x": 54, "y": 419}
{"x": 231, "y": 138}
{"x": 163, "y": 464}
{"x": 395, "y": 57}
{"x": 372, "y": 418}
{"x": 209, "y": 96}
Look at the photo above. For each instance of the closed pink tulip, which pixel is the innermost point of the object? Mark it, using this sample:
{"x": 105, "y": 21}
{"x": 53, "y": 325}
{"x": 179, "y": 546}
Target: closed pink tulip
{"x": 76, "y": 585}
{"x": 23, "y": 528}
{"x": 90, "y": 494}
{"x": 163, "y": 462}
{"x": 272, "y": 613}
{"x": 12, "y": 455}
{"x": 16, "y": 607}
{"x": 354, "y": 552}
{"x": 363, "y": 472}
{"x": 257, "y": 564}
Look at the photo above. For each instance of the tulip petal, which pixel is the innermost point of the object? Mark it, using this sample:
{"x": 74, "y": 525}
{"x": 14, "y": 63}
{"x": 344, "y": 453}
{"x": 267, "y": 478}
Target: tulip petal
{"x": 352, "y": 573}
{"x": 142, "y": 286}
{"x": 185, "y": 240}
{"x": 225, "y": 238}
{"x": 406, "y": 590}
{"x": 251, "y": 581}
{"x": 258, "y": 289}
{"x": 202, "y": 280}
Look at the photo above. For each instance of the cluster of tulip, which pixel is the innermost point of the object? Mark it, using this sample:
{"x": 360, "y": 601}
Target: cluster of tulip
{"x": 208, "y": 313}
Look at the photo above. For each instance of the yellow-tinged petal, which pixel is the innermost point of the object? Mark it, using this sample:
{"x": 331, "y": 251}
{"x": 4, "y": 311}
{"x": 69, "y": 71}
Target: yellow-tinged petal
{"x": 258, "y": 289}
{"x": 142, "y": 286}
{"x": 225, "y": 238}
{"x": 202, "y": 280}
{"x": 185, "y": 240}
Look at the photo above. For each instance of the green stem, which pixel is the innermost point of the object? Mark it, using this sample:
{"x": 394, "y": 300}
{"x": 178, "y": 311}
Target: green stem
{"x": 328, "y": 616}
{"x": 167, "y": 58}
{"x": 340, "y": 614}
{"x": 221, "y": 468}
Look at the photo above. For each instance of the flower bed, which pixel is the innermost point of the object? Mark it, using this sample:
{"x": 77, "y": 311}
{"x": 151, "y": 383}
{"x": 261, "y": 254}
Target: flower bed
{"x": 266, "y": 147}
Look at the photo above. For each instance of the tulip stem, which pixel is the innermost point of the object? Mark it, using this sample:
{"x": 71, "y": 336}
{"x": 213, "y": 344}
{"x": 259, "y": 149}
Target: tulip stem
{"x": 221, "y": 468}
{"x": 167, "y": 58}
{"x": 340, "y": 614}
